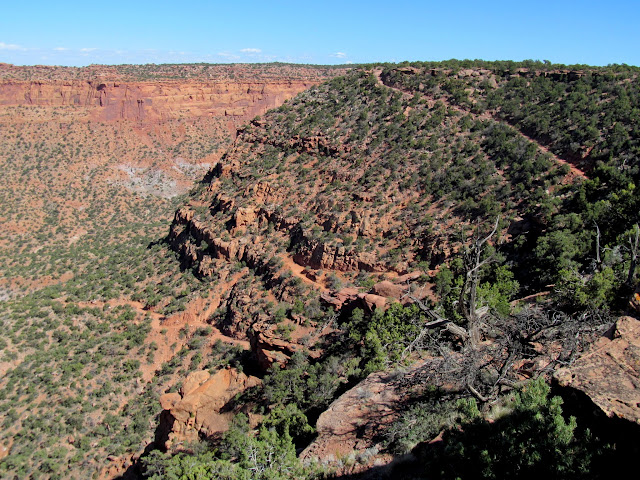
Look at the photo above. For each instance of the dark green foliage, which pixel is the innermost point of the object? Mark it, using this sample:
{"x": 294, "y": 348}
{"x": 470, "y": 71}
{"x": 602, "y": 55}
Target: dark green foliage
{"x": 305, "y": 385}
{"x": 268, "y": 455}
{"x": 498, "y": 290}
{"x": 388, "y": 335}
{"x": 193, "y": 467}
{"x": 594, "y": 292}
{"x": 533, "y": 441}
{"x": 290, "y": 420}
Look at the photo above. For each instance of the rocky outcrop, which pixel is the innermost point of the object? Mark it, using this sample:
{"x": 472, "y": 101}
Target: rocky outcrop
{"x": 317, "y": 144}
{"x": 348, "y": 299}
{"x": 609, "y": 372}
{"x": 198, "y": 408}
{"x": 186, "y": 228}
{"x": 268, "y": 348}
{"x": 307, "y": 251}
{"x": 353, "y": 423}
{"x": 379, "y": 297}
{"x": 322, "y": 255}
{"x": 388, "y": 290}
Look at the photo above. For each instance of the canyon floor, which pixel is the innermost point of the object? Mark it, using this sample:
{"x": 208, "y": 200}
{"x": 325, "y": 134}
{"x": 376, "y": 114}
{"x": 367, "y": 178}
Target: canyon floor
{"x": 95, "y": 161}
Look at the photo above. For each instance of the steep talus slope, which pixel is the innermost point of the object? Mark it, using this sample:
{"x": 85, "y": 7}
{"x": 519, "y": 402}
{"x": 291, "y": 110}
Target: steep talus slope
{"x": 352, "y": 176}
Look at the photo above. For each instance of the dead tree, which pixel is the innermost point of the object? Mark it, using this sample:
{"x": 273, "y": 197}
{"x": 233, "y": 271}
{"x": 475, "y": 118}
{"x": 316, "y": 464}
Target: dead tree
{"x": 471, "y": 359}
{"x": 598, "y": 261}
{"x": 634, "y": 243}
{"x": 467, "y": 303}
{"x": 486, "y": 369}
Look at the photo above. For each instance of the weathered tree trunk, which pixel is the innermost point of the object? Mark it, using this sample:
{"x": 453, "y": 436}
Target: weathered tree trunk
{"x": 469, "y": 292}
{"x": 633, "y": 244}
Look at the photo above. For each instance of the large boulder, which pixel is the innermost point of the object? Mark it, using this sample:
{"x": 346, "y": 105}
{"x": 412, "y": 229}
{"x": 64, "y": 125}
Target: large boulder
{"x": 197, "y": 410}
{"x": 388, "y": 290}
{"x": 353, "y": 422}
{"x": 609, "y": 372}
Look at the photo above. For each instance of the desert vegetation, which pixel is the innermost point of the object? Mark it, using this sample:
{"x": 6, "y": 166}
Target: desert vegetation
{"x": 422, "y": 247}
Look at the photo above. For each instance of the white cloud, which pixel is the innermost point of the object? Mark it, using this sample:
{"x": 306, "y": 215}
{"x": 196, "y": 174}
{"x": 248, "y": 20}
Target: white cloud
{"x": 338, "y": 55}
{"x": 229, "y": 56}
{"x": 10, "y": 46}
{"x": 87, "y": 49}
{"x": 251, "y": 50}
{"x": 60, "y": 49}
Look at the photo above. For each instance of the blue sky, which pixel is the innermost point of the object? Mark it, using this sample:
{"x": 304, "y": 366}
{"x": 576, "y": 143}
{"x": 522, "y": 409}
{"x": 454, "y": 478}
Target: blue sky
{"x": 322, "y": 32}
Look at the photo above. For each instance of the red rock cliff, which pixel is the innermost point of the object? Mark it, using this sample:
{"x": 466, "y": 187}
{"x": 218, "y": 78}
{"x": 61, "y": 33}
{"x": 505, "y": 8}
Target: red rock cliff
{"x": 149, "y": 93}
{"x": 149, "y": 102}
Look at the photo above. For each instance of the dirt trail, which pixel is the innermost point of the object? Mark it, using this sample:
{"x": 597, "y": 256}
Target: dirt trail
{"x": 378, "y": 74}
{"x": 166, "y": 331}
{"x": 297, "y": 270}
{"x": 574, "y": 171}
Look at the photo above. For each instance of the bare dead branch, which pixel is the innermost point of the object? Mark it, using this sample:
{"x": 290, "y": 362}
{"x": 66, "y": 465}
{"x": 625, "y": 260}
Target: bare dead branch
{"x": 634, "y": 243}
{"x": 597, "y": 245}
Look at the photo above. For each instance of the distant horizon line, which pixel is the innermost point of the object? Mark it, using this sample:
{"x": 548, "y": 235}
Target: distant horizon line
{"x": 327, "y": 65}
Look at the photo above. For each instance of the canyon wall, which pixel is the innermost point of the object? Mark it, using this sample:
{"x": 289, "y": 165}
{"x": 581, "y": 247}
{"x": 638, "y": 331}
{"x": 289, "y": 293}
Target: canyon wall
{"x": 150, "y": 102}
{"x": 235, "y": 93}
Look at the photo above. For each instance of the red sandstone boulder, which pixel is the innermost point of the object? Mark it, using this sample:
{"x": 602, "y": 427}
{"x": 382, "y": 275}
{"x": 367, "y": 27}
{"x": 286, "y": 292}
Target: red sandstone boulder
{"x": 609, "y": 372}
{"x": 196, "y": 410}
{"x": 388, "y": 290}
